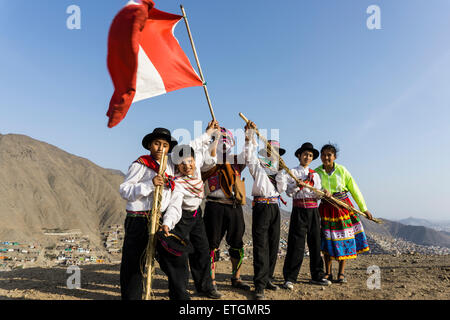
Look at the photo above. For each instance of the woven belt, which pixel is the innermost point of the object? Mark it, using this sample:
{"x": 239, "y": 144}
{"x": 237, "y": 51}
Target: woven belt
{"x": 270, "y": 200}
{"x": 138, "y": 213}
{"x": 305, "y": 203}
{"x": 220, "y": 200}
{"x": 340, "y": 195}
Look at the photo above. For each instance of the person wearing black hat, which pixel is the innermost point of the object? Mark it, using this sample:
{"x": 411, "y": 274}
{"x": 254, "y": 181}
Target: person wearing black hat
{"x": 137, "y": 189}
{"x": 304, "y": 226}
{"x": 265, "y": 211}
{"x": 185, "y": 201}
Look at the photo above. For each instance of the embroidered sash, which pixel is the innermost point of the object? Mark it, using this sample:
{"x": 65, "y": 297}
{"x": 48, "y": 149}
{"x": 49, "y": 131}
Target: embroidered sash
{"x": 269, "y": 168}
{"x": 193, "y": 185}
{"x": 307, "y": 203}
{"x": 152, "y": 164}
{"x": 310, "y": 179}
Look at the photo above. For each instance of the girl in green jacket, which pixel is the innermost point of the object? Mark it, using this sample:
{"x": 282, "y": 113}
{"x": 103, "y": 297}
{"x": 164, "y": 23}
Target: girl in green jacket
{"x": 343, "y": 235}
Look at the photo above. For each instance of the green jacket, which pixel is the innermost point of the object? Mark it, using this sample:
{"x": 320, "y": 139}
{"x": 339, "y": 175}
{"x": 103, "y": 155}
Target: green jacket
{"x": 341, "y": 180}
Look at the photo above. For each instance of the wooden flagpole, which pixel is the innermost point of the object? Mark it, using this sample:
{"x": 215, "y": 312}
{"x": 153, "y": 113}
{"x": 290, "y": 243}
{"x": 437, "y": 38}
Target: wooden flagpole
{"x": 320, "y": 193}
{"x": 198, "y": 63}
{"x": 152, "y": 229}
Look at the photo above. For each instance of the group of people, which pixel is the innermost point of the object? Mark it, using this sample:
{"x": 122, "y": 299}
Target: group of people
{"x": 206, "y": 170}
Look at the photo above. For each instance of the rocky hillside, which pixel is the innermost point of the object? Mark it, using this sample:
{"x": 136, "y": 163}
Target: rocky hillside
{"x": 419, "y": 235}
{"x": 438, "y": 225}
{"x": 43, "y": 187}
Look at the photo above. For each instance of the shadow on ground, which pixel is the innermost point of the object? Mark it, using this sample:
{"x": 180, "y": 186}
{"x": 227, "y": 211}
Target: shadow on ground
{"x": 98, "y": 282}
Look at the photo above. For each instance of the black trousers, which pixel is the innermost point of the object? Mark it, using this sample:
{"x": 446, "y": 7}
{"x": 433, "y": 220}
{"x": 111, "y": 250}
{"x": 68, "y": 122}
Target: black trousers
{"x": 177, "y": 271}
{"x": 224, "y": 218}
{"x": 133, "y": 263}
{"x": 133, "y": 259}
{"x": 304, "y": 228}
{"x": 266, "y": 238}
{"x": 192, "y": 227}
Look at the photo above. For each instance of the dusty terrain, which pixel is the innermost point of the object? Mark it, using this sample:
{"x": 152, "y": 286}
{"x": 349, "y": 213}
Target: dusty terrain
{"x": 403, "y": 277}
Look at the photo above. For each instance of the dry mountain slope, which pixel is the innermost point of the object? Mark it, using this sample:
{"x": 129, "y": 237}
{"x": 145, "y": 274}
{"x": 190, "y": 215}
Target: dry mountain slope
{"x": 416, "y": 234}
{"x": 42, "y": 186}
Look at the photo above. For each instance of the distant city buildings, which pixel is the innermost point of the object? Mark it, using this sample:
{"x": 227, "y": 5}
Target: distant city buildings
{"x": 14, "y": 254}
{"x": 68, "y": 248}
{"x": 74, "y": 248}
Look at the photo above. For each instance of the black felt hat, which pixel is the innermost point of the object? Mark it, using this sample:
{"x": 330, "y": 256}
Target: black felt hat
{"x": 159, "y": 133}
{"x": 174, "y": 243}
{"x": 307, "y": 146}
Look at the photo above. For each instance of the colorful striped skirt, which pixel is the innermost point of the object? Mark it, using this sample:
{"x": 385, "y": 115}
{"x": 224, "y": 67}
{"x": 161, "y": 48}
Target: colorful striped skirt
{"x": 343, "y": 235}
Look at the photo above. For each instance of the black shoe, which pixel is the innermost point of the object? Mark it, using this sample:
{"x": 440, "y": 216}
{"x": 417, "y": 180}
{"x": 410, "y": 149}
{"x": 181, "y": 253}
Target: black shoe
{"x": 259, "y": 294}
{"x": 321, "y": 282}
{"x": 239, "y": 284}
{"x": 271, "y": 286}
{"x": 212, "y": 294}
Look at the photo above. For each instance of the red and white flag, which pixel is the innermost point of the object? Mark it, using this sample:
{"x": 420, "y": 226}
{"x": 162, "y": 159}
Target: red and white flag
{"x": 144, "y": 57}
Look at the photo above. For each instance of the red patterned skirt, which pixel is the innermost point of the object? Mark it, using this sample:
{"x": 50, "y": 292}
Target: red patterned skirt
{"x": 343, "y": 235}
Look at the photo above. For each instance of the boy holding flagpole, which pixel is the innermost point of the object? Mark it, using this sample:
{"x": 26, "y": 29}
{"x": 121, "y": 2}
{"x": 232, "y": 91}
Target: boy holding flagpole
{"x": 185, "y": 202}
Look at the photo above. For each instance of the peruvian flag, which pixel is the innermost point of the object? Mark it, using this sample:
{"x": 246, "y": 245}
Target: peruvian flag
{"x": 144, "y": 57}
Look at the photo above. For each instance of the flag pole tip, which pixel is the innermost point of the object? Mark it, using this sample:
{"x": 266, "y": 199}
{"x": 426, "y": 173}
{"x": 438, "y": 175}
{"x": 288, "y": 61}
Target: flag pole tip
{"x": 182, "y": 11}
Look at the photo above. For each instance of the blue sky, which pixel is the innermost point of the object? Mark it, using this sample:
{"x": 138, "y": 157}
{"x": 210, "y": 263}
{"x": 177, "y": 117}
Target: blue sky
{"x": 311, "y": 69}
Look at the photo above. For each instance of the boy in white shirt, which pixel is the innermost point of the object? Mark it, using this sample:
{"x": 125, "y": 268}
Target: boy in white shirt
{"x": 137, "y": 189}
{"x": 304, "y": 226}
{"x": 265, "y": 212}
{"x": 185, "y": 202}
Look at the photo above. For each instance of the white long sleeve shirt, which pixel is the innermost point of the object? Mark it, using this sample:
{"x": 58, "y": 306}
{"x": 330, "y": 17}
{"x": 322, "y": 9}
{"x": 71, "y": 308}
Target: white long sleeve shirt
{"x": 138, "y": 186}
{"x": 262, "y": 186}
{"x": 286, "y": 183}
{"x": 181, "y": 198}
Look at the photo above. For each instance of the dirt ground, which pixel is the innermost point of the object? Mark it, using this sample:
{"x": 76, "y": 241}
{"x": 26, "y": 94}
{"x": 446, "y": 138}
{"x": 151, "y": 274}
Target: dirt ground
{"x": 404, "y": 277}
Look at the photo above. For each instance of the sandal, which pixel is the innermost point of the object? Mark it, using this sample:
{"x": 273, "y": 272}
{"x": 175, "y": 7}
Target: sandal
{"x": 328, "y": 276}
{"x": 341, "y": 280}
